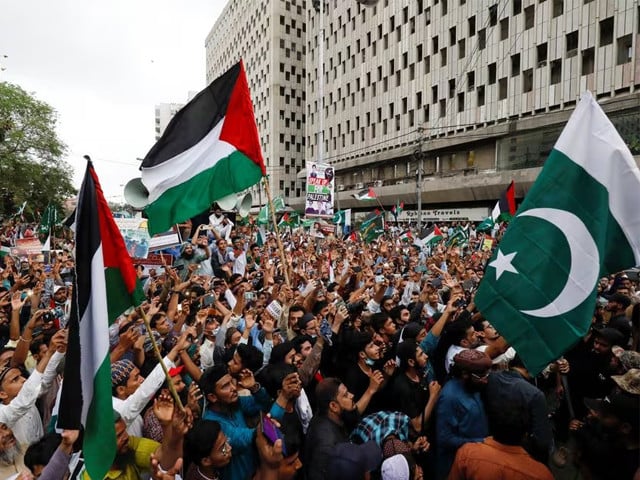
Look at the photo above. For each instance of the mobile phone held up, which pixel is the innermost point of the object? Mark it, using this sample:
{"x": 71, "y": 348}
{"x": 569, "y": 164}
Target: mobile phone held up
{"x": 271, "y": 432}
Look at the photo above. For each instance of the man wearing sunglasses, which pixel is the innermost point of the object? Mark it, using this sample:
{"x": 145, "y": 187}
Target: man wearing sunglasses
{"x": 461, "y": 415}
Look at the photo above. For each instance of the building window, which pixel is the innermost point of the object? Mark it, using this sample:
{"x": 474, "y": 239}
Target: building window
{"x": 515, "y": 65}
{"x": 471, "y": 81}
{"x": 529, "y": 17}
{"x": 517, "y": 6}
{"x": 481, "y": 96}
{"x": 444, "y": 7}
{"x": 504, "y": 28}
{"x": 572, "y": 44}
{"x": 434, "y": 94}
{"x": 502, "y": 88}
{"x": 606, "y": 31}
{"x": 558, "y": 8}
{"x": 419, "y": 100}
{"x": 434, "y": 41}
{"x": 461, "y": 48}
{"x": 624, "y": 50}
{"x": 461, "y": 102}
{"x": 472, "y": 26}
{"x": 452, "y": 87}
{"x": 482, "y": 39}
{"x": 443, "y": 57}
{"x": 427, "y": 16}
{"x": 588, "y": 61}
{"x": 492, "y": 73}
{"x": 556, "y": 72}
{"x": 541, "y": 51}
{"x": 443, "y": 108}
{"x": 493, "y": 15}
{"x": 452, "y": 36}
{"x": 527, "y": 80}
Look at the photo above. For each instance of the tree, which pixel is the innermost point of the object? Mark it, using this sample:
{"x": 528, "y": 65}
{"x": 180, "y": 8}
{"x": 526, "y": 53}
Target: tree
{"x": 32, "y": 165}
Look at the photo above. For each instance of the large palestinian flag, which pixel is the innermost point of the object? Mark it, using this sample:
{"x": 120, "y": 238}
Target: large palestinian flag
{"x": 105, "y": 287}
{"x": 209, "y": 150}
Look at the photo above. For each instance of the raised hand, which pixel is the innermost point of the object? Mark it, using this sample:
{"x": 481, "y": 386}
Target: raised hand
{"x": 163, "y": 408}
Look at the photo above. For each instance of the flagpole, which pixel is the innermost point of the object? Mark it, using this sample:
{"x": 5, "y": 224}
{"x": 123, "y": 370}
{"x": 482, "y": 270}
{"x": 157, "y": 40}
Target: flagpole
{"x": 285, "y": 266}
{"x": 156, "y": 350}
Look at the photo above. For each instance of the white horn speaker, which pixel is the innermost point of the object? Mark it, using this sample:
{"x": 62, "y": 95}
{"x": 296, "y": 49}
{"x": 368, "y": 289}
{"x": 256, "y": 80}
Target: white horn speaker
{"x": 227, "y": 203}
{"x": 244, "y": 205}
{"x": 136, "y": 194}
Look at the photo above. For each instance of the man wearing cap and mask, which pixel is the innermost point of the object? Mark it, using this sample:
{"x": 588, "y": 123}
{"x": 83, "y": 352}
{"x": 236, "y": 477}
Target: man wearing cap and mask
{"x": 131, "y": 392}
{"x": 461, "y": 416}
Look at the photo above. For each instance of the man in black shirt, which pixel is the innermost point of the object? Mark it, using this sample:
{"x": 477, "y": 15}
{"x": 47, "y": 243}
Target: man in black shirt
{"x": 409, "y": 392}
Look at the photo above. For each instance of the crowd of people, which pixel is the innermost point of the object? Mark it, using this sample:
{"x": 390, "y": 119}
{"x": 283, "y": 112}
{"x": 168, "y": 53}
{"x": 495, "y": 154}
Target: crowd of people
{"x": 347, "y": 360}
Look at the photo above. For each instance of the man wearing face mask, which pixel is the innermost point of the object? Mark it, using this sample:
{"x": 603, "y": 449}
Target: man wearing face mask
{"x": 208, "y": 349}
{"x": 337, "y": 415}
{"x": 361, "y": 379}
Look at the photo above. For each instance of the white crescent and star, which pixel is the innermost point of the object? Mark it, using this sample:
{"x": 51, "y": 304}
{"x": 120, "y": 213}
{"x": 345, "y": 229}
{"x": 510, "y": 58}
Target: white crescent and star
{"x": 584, "y": 266}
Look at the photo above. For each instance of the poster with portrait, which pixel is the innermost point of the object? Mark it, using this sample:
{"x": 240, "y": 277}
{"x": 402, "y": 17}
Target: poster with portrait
{"x": 320, "y": 190}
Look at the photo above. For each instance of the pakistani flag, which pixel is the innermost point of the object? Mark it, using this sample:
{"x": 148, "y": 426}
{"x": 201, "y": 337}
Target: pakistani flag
{"x": 209, "y": 150}
{"x": 49, "y": 219}
{"x": 105, "y": 287}
{"x": 372, "y": 228}
{"x": 486, "y": 225}
{"x": 342, "y": 217}
{"x": 264, "y": 215}
{"x": 460, "y": 236}
{"x": 580, "y": 221}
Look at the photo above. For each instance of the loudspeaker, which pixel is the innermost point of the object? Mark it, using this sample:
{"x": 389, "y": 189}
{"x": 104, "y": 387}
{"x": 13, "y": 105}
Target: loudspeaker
{"x": 136, "y": 194}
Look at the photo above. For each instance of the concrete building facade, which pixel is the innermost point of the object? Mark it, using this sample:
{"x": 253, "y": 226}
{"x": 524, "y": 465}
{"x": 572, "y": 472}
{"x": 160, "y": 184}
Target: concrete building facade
{"x": 269, "y": 35}
{"x": 164, "y": 114}
{"x": 475, "y": 91}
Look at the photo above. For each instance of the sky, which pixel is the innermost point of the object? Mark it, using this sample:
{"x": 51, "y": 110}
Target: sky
{"x": 103, "y": 66}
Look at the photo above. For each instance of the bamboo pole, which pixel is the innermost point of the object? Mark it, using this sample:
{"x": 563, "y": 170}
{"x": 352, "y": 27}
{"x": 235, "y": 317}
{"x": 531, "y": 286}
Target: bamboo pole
{"x": 285, "y": 266}
{"x": 156, "y": 350}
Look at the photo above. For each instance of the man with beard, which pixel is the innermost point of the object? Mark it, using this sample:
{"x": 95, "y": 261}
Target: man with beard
{"x": 11, "y": 454}
{"x": 361, "y": 379}
{"x": 131, "y": 391}
{"x": 409, "y": 391}
{"x": 590, "y": 372}
{"x": 230, "y": 410}
{"x": 336, "y": 416}
{"x": 133, "y": 454}
{"x": 617, "y": 306}
{"x": 190, "y": 256}
{"x": 460, "y": 412}
{"x": 60, "y": 306}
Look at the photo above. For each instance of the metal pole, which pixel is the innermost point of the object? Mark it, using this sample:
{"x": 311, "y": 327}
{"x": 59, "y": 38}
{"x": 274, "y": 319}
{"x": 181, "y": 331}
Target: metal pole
{"x": 419, "y": 190}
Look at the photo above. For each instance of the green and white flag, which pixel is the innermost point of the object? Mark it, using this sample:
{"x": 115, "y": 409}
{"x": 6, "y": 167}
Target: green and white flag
{"x": 372, "y": 228}
{"x": 580, "y": 221}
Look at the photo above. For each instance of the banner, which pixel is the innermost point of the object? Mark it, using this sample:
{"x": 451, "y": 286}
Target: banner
{"x": 320, "y": 190}
{"x": 27, "y": 246}
{"x": 473, "y": 214}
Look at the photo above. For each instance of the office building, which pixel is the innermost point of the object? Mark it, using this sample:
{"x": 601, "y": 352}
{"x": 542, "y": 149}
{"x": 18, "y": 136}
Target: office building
{"x": 476, "y": 92}
{"x": 270, "y": 38}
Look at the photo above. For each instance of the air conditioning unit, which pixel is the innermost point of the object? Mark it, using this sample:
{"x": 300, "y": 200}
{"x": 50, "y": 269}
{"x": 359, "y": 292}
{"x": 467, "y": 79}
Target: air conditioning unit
{"x": 340, "y": 188}
{"x": 378, "y": 183}
{"x": 359, "y": 185}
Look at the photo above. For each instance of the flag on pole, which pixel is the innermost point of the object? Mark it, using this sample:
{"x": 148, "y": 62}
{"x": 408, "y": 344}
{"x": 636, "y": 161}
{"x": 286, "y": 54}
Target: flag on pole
{"x": 406, "y": 236}
{"x": 486, "y": 225}
{"x": 397, "y": 209}
{"x": 49, "y": 219}
{"x": 106, "y": 285}
{"x": 366, "y": 194}
{"x": 505, "y": 208}
{"x": 264, "y": 215}
{"x": 428, "y": 237}
{"x": 579, "y": 222}
{"x": 372, "y": 228}
{"x": 460, "y": 236}
{"x": 209, "y": 150}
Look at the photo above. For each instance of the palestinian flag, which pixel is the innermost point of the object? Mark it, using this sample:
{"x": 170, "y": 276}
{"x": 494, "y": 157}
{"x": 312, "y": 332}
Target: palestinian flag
{"x": 505, "y": 208}
{"x": 366, "y": 194}
{"x": 106, "y": 285}
{"x": 431, "y": 236}
{"x": 397, "y": 209}
{"x": 406, "y": 236}
{"x": 209, "y": 150}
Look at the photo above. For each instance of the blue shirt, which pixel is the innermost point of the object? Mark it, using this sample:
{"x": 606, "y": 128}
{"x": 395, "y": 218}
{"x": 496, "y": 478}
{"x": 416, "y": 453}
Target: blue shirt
{"x": 460, "y": 419}
{"x": 244, "y": 461}
{"x": 428, "y": 346}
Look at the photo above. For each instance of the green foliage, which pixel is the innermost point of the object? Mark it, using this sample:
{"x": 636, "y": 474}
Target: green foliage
{"x": 32, "y": 167}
